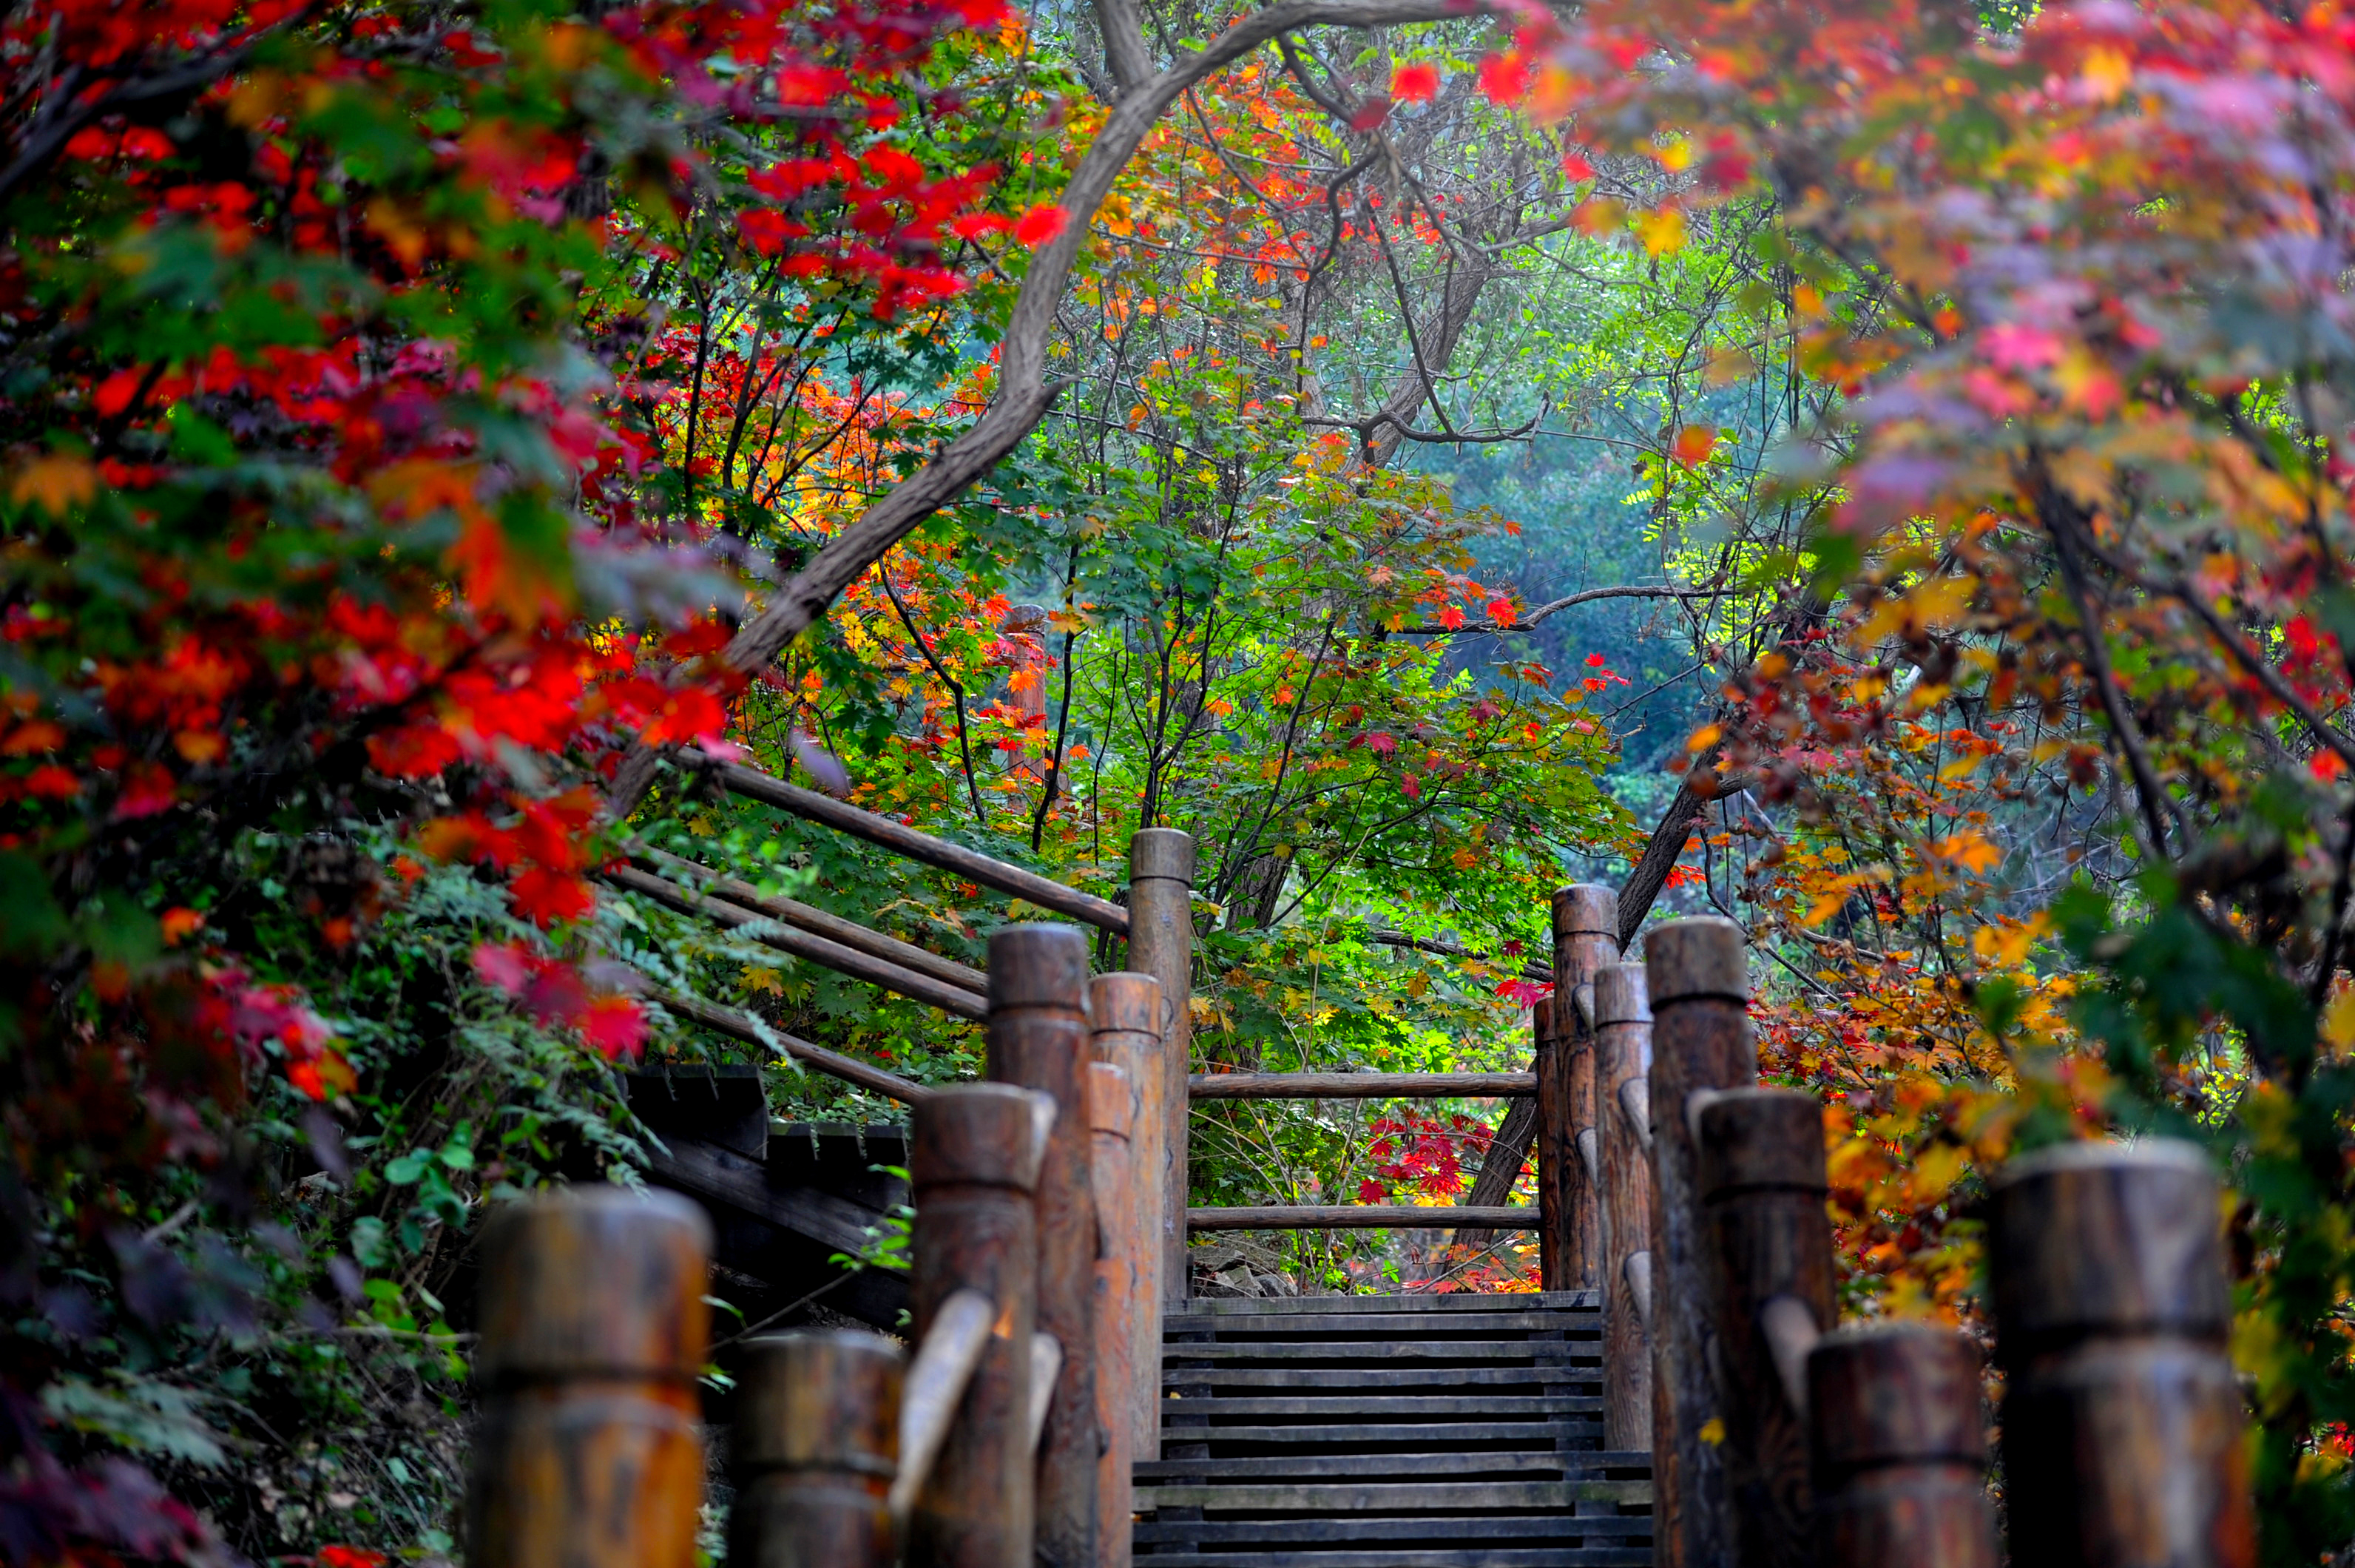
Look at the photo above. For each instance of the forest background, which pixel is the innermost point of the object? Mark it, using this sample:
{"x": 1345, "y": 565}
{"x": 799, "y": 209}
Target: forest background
{"x": 1874, "y": 467}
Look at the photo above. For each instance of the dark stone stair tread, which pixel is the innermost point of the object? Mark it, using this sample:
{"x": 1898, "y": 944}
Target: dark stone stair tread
{"x": 1418, "y": 1498}
{"x": 1389, "y": 1431}
{"x": 1553, "y": 1350}
{"x": 1285, "y": 1530}
{"x": 1425, "y": 1465}
{"x": 1533, "y": 1378}
{"x": 1384, "y": 1323}
{"x": 1413, "y": 1557}
{"x": 1390, "y": 1404}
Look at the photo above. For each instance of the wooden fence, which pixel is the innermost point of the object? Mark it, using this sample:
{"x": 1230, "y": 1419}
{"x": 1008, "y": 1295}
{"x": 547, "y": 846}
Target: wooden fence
{"x": 1051, "y": 1229}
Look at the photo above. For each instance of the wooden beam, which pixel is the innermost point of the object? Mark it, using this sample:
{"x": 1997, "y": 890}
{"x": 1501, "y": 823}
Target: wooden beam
{"x": 834, "y": 1064}
{"x": 709, "y": 1171}
{"x": 901, "y": 839}
{"x": 833, "y": 927}
{"x": 1358, "y": 1217}
{"x": 834, "y": 955}
{"x": 1358, "y": 1086}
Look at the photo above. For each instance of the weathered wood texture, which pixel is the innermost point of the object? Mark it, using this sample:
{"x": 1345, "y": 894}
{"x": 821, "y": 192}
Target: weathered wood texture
{"x": 772, "y": 933}
{"x": 1358, "y": 1086}
{"x": 1622, "y": 1055}
{"x": 1899, "y": 1448}
{"x": 2122, "y": 1422}
{"x": 1557, "y": 1150}
{"x": 1111, "y": 1109}
{"x": 1127, "y": 1016}
{"x": 1358, "y": 1217}
{"x": 1585, "y": 938}
{"x": 816, "y": 1444}
{"x": 1161, "y": 943}
{"x": 1761, "y": 1181}
{"x": 974, "y": 1165}
{"x": 1040, "y": 1038}
{"x": 593, "y": 1328}
{"x": 1698, "y": 980}
{"x": 901, "y": 839}
{"x": 810, "y": 918}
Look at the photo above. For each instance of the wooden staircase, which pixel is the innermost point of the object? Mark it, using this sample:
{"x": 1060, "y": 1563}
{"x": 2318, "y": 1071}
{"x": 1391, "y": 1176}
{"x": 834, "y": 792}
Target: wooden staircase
{"x": 1389, "y": 1431}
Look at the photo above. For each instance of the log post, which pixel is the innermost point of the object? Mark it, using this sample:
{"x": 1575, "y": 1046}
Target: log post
{"x": 1557, "y": 1223}
{"x": 1039, "y": 1036}
{"x": 1110, "y": 1110}
{"x": 815, "y": 1446}
{"x": 974, "y": 1166}
{"x": 1761, "y": 1161}
{"x": 1585, "y": 938}
{"x": 1127, "y": 1015}
{"x": 2123, "y": 1426}
{"x": 1623, "y": 1057}
{"x": 1161, "y": 943}
{"x": 1695, "y": 973}
{"x": 1898, "y": 1449}
{"x": 592, "y": 1330}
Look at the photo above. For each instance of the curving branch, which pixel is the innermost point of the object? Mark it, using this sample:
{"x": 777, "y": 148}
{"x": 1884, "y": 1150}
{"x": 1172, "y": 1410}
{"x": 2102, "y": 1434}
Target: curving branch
{"x": 1024, "y": 393}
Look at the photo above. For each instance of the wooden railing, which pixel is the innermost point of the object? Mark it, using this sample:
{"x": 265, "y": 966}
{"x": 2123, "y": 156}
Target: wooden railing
{"x": 1051, "y": 1229}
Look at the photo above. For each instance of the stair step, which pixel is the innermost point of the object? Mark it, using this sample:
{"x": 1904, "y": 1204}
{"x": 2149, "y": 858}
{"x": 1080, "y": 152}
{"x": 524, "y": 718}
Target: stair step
{"x": 1536, "y": 1377}
{"x": 1413, "y": 1557}
{"x": 1507, "y": 1405}
{"x": 1352, "y": 1433}
{"x": 1419, "y": 1499}
{"x": 1391, "y": 1350}
{"x": 1453, "y": 1531}
{"x": 1389, "y": 1432}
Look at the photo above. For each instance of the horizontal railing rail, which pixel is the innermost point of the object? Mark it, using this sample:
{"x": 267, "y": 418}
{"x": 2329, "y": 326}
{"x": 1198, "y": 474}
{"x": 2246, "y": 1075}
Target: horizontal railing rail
{"x": 1360, "y": 1217}
{"x": 901, "y": 839}
{"x": 816, "y": 1058}
{"x": 772, "y": 932}
{"x": 1358, "y": 1086}
{"x": 809, "y": 918}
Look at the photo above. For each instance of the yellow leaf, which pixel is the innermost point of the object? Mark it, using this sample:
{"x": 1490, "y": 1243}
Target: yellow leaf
{"x": 1713, "y": 1431}
{"x": 760, "y": 978}
{"x": 2339, "y": 1020}
{"x": 57, "y": 481}
{"x": 1663, "y": 231}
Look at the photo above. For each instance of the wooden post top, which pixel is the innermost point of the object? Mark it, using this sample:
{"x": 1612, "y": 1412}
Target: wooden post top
{"x": 820, "y": 1401}
{"x": 1620, "y": 996}
{"x": 647, "y": 1252}
{"x": 977, "y": 1135}
{"x": 1754, "y": 1139}
{"x": 1161, "y": 853}
{"x": 1701, "y": 958}
{"x": 1586, "y": 909}
{"x": 2105, "y": 1239}
{"x": 1894, "y": 1392}
{"x": 1125, "y": 1000}
{"x": 1541, "y": 1019}
{"x": 1038, "y": 965}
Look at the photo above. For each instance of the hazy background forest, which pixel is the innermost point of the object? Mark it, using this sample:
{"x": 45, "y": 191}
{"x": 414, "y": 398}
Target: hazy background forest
{"x": 1886, "y": 460}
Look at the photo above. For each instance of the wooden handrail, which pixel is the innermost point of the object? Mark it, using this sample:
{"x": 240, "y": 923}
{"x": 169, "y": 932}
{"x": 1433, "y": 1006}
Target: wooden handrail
{"x": 901, "y": 839}
{"x": 834, "y": 955}
{"x": 1359, "y": 1217}
{"x": 740, "y": 1026}
{"x": 1357, "y": 1085}
{"x": 817, "y": 921}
